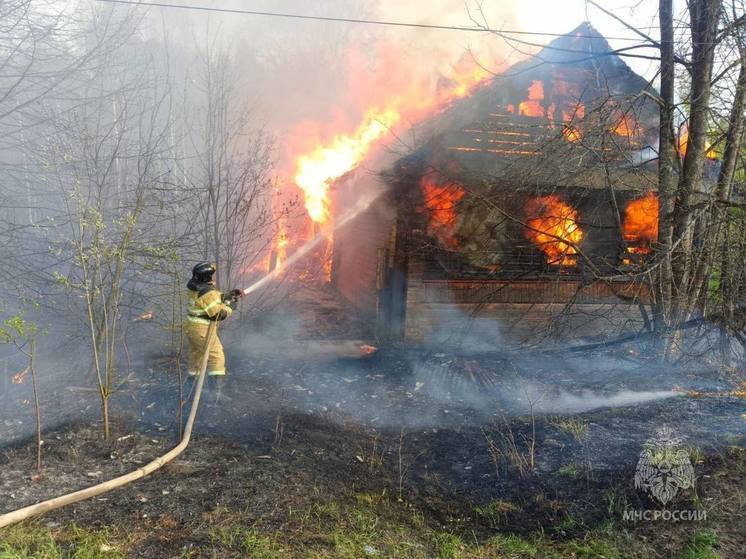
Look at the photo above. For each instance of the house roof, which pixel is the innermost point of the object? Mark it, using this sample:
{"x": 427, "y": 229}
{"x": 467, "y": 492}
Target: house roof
{"x": 574, "y": 114}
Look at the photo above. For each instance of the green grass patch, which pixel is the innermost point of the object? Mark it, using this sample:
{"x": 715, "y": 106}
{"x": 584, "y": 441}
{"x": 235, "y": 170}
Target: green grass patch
{"x": 34, "y": 542}
{"x": 594, "y": 548}
{"x": 702, "y": 546}
{"x": 495, "y": 512}
{"x": 447, "y": 545}
{"x": 245, "y": 540}
{"x": 568, "y": 470}
{"x": 512, "y": 546}
{"x": 576, "y": 427}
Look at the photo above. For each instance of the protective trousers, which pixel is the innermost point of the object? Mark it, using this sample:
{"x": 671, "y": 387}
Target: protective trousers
{"x": 197, "y": 335}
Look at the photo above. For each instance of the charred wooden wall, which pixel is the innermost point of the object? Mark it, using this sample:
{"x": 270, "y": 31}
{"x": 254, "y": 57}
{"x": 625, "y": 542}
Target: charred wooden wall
{"x": 359, "y": 248}
{"x": 524, "y": 299}
{"x": 528, "y": 311}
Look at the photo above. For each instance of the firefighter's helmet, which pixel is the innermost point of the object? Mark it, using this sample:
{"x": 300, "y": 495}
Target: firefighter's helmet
{"x": 204, "y": 271}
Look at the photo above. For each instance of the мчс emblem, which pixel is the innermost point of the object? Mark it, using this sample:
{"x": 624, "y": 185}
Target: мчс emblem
{"x": 664, "y": 468}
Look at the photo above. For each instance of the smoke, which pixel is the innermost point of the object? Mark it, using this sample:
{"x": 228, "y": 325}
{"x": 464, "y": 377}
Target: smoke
{"x": 436, "y": 386}
{"x": 347, "y": 216}
{"x": 313, "y": 80}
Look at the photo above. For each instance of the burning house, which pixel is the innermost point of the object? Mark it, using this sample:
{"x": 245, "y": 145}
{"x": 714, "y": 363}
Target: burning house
{"x": 534, "y": 192}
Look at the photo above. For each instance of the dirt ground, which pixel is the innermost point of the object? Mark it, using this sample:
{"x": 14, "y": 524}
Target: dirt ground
{"x": 276, "y": 465}
{"x": 275, "y": 481}
{"x": 319, "y": 449}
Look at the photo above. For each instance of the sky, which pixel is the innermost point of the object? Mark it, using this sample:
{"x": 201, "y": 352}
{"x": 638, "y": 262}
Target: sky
{"x": 310, "y": 80}
{"x": 554, "y": 16}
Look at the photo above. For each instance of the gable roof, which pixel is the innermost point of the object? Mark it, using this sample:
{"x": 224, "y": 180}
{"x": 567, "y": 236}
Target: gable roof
{"x": 569, "y": 115}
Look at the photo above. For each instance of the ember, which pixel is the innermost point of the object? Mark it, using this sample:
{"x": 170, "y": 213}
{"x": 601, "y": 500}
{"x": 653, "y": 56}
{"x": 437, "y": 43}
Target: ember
{"x": 18, "y": 378}
{"x": 552, "y": 225}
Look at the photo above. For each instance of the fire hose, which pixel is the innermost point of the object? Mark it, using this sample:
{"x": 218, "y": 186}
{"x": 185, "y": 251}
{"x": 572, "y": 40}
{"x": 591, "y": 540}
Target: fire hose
{"x": 83, "y": 494}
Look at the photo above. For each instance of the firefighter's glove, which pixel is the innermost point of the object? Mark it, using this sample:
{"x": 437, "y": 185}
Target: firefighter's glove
{"x": 231, "y": 298}
{"x": 235, "y": 294}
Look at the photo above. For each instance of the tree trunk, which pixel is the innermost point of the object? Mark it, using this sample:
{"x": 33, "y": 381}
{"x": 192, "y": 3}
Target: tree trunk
{"x": 734, "y": 137}
{"x": 704, "y": 15}
{"x": 686, "y": 269}
{"x": 105, "y": 415}
{"x": 666, "y": 153}
{"x": 733, "y": 142}
{"x": 37, "y": 410}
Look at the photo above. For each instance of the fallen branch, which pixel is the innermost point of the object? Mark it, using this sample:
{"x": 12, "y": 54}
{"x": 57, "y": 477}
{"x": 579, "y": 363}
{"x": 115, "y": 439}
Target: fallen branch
{"x": 58, "y": 502}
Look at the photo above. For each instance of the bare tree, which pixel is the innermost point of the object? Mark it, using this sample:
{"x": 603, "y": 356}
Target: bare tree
{"x": 105, "y": 163}
{"x": 231, "y": 183}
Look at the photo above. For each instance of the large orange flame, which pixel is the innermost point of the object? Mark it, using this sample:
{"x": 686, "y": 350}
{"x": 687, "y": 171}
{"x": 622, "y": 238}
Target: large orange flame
{"x": 441, "y": 197}
{"x": 318, "y": 168}
{"x": 640, "y": 226}
{"x": 552, "y": 225}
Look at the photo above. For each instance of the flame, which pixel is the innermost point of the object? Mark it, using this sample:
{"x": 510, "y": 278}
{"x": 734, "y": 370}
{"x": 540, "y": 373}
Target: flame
{"x": 640, "y": 225}
{"x": 280, "y": 239}
{"x": 464, "y": 75}
{"x": 317, "y": 168}
{"x": 328, "y": 160}
{"x": 552, "y": 226}
{"x": 683, "y": 144}
{"x": 326, "y": 163}
{"x": 738, "y": 392}
{"x": 569, "y": 130}
{"x": 441, "y": 197}
{"x": 532, "y": 106}
{"x": 625, "y": 126}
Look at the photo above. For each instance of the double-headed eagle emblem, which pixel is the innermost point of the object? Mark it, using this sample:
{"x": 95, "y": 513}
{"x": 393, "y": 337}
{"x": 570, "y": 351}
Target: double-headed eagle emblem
{"x": 664, "y": 468}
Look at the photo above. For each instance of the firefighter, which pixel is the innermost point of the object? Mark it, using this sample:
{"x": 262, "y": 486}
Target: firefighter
{"x": 205, "y": 304}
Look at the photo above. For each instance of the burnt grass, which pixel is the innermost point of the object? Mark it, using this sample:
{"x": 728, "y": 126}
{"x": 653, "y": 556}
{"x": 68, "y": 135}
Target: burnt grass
{"x": 437, "y": 442}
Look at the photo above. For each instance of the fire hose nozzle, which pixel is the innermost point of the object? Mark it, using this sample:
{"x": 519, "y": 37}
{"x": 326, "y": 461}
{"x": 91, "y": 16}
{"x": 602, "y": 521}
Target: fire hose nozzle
{"x": 233, "y": 296}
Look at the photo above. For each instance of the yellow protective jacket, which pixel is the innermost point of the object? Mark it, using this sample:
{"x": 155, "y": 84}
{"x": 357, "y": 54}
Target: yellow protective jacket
{"x": 205, "y": 303}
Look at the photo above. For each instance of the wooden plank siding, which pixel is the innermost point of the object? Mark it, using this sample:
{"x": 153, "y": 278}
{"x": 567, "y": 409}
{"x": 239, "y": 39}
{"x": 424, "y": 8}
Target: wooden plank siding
{"x": 525, "y": 311}
{"x": 356, "y": 248}
{"x": 520, "y": 324}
